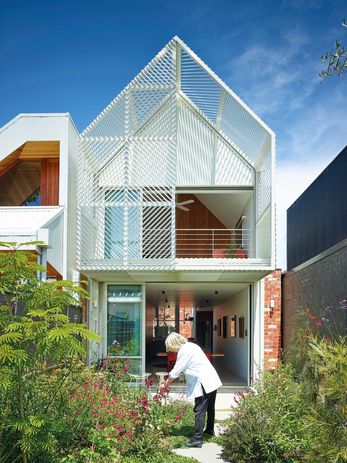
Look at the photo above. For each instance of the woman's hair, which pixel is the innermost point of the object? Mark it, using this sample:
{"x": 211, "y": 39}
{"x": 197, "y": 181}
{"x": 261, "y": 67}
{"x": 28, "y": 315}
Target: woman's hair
{"x": 174, "y": 342}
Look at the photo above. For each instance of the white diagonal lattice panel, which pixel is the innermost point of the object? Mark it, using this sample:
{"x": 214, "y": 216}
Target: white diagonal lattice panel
{"x": 199, "y": 86}
{"x": 111, "y": 120}
{"x": 264, "y": 183}
{"x": 230, "y": 167}
{"x": 162, "y": 123}
{"x": 204, "y": 157}
{"x": 175, "y": 124}
{"x": 151, "y": 162}
{"x": 142, "y": 103}
{"x": 161, "y": 70}
{"x": 242, "y": 129}
{"x": 195, "y": 145}
{"x": 158, "y": 75}
{"x": 128, "y": 178}
{"x": 99, "y": 150}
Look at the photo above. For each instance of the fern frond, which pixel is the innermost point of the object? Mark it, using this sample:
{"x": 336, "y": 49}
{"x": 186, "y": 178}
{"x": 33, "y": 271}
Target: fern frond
{"x": 64, "y": 332}
{"x": 10, "y": 354}
{"x": 10, "y": 337}
{"x": 15, "y": 326}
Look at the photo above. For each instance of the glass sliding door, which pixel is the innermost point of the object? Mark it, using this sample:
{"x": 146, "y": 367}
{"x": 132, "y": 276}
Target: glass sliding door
{"x": 124, "y": 324}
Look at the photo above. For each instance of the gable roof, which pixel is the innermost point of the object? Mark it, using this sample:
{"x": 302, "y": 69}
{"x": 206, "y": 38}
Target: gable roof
{"x": 176, "y": 69}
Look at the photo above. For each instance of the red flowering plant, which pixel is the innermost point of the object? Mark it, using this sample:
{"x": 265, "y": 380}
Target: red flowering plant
{"x": 109, "y": 417}
{"x": 115, "y": 371}
{"x": 173, "y": 417}
{"x": 107, "y": 421}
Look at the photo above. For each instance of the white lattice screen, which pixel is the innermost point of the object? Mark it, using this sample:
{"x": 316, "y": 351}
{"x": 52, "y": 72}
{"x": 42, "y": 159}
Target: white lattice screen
{"x": 175, "y": 124}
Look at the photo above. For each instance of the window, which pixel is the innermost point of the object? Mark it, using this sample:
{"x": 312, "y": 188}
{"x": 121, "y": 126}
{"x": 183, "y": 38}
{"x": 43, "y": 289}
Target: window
{"x": 165, "y": 321}
{"x": 124, "y": 309}
{"x": 33, "y": 200}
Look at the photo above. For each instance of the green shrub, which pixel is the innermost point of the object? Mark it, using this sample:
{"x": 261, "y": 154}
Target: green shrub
{"x": 88, "y": 456}
{"x": 325, "y": 381}
{"x": 266, "y": 426}
{"x": 110, "y": 419}
{"x": 30, "y": 392}
{"x": 299, "y": 412}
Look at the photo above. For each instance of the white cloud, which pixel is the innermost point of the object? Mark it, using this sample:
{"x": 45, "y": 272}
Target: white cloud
{"x": 278, "y": 77}
{"x": 318, "y": 132}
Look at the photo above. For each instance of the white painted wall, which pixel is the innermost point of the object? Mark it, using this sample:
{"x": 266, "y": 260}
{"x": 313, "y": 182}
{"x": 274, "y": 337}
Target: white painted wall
{"x": 49, "y": 127}
{"x": 94, "y": 320}
{"x": 264, "y": 242}
{"x": 33, "y": 127}
{"x": 54, "y": 251}
{"x": 235, "y": 349}
{"x": 248, "y": 224}
{"x": 257, "y": 348}
{"x": 69, "y": 188}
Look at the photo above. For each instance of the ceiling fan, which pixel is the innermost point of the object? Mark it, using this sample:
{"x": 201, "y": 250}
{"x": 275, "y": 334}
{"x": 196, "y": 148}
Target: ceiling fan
{"x": 182, "y": 204}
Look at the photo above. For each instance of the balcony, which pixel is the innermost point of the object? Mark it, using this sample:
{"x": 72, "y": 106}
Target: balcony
{"x": 200, "y": 230}
{"x": 214, "y": 243}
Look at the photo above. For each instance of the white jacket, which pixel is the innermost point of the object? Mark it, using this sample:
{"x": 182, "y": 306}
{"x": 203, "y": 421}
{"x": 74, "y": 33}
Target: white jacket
{"x": 192, "y": 361}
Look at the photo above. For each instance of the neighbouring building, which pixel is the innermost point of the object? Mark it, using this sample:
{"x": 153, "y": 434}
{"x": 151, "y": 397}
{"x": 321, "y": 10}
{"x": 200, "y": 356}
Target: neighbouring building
{"x": 317, "y": 251}
{"x": 165, "y": 204}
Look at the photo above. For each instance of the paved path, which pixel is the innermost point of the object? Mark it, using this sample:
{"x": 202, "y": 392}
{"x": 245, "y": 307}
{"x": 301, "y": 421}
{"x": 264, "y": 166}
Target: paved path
{"x": 209, "y": 453}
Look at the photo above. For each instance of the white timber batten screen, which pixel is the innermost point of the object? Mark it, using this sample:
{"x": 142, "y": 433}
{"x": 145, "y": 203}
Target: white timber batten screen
{"x": 176, "y": 124}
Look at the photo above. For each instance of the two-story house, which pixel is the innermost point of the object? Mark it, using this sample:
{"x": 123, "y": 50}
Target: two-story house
{"x": 176, "y": 216}
{"x": 168, "y": 212}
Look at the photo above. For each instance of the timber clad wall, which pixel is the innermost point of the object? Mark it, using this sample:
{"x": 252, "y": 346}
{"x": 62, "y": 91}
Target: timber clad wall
{"x": 49, "y": 191}
{"x": 272, "y": 320}
{"x": 198, "y": 217}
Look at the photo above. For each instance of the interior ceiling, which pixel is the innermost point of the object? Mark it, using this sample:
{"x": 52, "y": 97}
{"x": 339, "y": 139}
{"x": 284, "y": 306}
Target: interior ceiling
{"x": 227, "y": 207}
{"x": 191, "y": 295}
{"x": 30, "y": 151}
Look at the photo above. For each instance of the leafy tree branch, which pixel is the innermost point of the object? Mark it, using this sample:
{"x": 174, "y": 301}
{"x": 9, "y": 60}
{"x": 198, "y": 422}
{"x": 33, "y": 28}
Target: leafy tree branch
{"x": 335, "y": 60}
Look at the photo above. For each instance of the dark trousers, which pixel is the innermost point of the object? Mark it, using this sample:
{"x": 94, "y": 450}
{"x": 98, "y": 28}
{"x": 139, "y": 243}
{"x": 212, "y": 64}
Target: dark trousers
{"x": 204, "y": 404}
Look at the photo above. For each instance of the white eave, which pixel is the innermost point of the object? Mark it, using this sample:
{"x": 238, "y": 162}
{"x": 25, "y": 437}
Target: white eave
{"x": 25, "y": 224}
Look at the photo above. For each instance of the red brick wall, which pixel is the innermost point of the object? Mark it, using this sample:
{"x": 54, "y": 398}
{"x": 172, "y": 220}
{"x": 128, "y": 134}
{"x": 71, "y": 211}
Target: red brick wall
{"x": 272, "y": 320}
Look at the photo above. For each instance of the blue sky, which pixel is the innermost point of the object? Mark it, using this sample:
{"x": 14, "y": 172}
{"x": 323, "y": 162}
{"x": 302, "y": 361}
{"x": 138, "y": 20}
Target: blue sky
{"x": 75, "y": 56}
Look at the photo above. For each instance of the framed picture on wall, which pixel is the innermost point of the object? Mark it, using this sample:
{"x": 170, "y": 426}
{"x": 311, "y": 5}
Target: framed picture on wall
{"x": 233, "y": 326}
{"x": 219, "y": 327}
{"x": 241, "y": 327}
{"x": 225, "y": 326}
